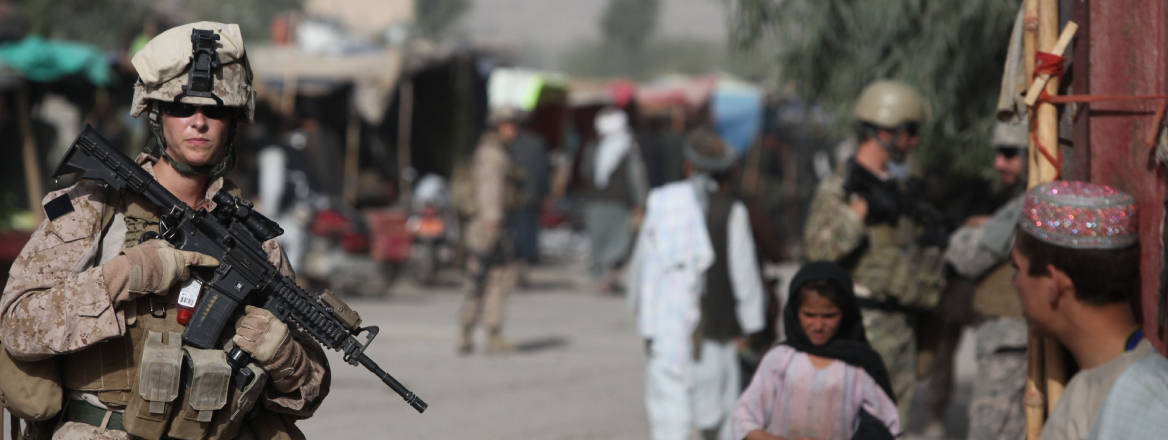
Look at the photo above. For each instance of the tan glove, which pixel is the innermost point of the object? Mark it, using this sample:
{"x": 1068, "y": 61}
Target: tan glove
{"x": 259, "y": 332}
{"x": 271, "y": 345}
{"x": 150, "y": 268}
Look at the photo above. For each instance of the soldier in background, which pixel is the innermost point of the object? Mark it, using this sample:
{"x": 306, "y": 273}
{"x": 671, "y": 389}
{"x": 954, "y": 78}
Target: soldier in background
{"x": 863, "y": 218}
{"x": 981, "y": 251}
{"x": 498, "y": 191}
{"x": 93, "y": 294}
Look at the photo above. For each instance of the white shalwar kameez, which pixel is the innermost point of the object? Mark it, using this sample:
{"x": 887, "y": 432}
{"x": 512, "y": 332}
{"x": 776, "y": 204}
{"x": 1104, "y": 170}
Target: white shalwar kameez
{"x": 666, "y": 280}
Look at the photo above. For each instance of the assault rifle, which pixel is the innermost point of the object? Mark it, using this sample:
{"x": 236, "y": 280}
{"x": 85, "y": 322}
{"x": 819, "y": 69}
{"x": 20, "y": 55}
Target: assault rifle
{"x": 233, "y": 233}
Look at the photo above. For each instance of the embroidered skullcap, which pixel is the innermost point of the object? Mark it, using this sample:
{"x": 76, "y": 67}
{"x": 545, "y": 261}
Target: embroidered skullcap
{"x": 1080, "y": 215}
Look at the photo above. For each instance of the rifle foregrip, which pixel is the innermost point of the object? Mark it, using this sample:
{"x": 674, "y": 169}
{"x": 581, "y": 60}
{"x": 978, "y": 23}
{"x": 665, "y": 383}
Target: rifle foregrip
{"x": 238, "y": 360}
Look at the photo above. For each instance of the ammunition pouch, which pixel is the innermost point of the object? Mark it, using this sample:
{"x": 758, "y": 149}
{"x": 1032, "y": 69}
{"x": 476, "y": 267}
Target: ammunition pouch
{"x": 210, "y": 379}
{"x": 152, "y": 399}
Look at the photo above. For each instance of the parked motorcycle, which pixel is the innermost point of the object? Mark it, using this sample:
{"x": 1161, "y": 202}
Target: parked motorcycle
{"x": 357, "y": 252}
{"x": 433, "y": 228}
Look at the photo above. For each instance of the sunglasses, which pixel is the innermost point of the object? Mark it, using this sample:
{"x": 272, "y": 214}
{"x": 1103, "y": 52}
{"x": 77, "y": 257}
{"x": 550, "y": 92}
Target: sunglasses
{"x": 1009, "y": 152}
{"x": 183, "y": 110}
{"x": 910, "y": 128}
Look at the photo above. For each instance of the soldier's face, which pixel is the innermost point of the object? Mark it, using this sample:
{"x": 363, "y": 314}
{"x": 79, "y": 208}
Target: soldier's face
{"x": 1008, "y": 163}
{"x": 508, "y": 131}
{"x": 903, "y": 141}
{"x": 906, "y": 141}
{"x": 196, "y": 135}
{"x": 1034, "y": 292}
{"x": 819, "y": 317}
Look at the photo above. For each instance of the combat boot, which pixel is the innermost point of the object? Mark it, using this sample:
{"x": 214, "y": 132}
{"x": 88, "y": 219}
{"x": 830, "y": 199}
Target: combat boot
{"x": 466, "y": 340}
{"x": 497, "y": 345}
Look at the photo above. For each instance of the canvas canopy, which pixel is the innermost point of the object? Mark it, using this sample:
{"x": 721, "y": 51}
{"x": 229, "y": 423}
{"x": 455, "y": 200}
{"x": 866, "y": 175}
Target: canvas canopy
{"x": 373, "y": 73}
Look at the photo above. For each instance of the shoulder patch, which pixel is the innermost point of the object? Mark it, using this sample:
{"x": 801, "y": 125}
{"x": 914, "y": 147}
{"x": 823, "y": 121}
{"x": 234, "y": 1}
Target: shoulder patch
{"x": 58, "y": 207}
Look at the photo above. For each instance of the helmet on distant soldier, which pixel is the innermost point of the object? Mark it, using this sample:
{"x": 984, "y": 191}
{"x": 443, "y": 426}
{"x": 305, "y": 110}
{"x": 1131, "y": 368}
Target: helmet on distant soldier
{"x": 504, "y": 113}
{"x": 890, "y": 104}
{"x": 1012, "y": 134}
{"x": 201, "y": 63}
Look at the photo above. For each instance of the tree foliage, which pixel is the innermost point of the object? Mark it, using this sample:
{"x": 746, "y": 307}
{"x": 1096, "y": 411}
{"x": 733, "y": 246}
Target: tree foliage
{"x": 434, "y": 17}
{"x": 111, "y": 24}
{"x": 950, "y": 50}
{"x": 629, "y": 23}
{"x": 626, "y": 27}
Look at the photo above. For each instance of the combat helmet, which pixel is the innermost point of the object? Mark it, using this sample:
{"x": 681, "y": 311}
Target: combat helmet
{"x": 1011, "y": 134}
{"x": 890, "y": 105}
{"x": 201, "y": 63}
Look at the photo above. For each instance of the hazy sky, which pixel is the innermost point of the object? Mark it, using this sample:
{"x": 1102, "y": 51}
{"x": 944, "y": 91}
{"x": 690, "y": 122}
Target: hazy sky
{"x": 543, "y": 28}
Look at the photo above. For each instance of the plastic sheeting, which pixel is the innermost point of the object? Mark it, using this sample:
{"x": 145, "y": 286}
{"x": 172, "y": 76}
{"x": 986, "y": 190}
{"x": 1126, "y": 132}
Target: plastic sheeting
{"x": 41, "y": 60}
{"x": 519, "y": 88}
{"x": 737, "y": 107}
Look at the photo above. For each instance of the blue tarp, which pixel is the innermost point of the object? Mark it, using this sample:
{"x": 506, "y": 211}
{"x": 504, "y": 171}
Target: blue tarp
{"x": 737, "y": 108}
{"x": 37, "y": 59}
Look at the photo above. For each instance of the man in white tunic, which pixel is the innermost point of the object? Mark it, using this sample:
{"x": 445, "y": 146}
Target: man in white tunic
{"x": 695, "y": 284}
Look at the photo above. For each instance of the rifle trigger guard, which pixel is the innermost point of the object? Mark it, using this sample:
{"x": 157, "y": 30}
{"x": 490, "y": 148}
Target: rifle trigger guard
{"x": 370, "y": 333}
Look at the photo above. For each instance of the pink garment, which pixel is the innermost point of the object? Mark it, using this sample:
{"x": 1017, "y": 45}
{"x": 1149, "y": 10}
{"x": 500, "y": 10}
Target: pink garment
{"x": 791, "y": 398}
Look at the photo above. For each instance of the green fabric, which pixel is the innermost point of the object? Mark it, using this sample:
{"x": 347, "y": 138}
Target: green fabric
{"x": 43, "y": 60}
{"x": 83, "y": 412}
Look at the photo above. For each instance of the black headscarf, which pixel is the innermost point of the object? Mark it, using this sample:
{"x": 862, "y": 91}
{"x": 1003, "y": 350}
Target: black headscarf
{"x": 849, "y": 344}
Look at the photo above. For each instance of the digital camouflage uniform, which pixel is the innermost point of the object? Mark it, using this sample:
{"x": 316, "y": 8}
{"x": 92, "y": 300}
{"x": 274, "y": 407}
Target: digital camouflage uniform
{"x": 56, "y": 304}
{"x": 982, "y": 253}
{"x": 888, "y": 268}
{"x": 495, "y": 190}
{"x": 85, "y": 292}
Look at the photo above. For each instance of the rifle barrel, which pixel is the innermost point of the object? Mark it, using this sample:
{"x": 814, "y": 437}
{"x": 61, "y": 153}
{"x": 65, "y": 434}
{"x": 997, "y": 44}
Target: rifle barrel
{"x": 406, "y": 394}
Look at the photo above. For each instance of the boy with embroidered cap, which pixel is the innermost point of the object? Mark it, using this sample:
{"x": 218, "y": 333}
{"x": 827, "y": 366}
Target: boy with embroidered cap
{"x": 1077, "y": 257}
{"x": 92, "y": 291}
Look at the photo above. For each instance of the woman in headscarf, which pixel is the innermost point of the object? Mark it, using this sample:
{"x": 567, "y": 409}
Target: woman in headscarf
{"x": 824, "y": 381}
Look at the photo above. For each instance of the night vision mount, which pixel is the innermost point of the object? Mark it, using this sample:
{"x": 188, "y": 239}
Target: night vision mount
{"x": 204, "y": 61}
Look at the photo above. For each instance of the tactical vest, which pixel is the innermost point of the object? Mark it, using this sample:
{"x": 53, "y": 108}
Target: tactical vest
{"x": 166, "y": 389}
{"x": 463, "y": 191}
{"x": 892, "y": 269}
{"x": 719, "y": 319}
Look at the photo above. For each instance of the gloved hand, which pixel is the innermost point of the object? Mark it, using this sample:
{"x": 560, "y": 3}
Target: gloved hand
{"x": 259, "y": 332}
{"x": 882, "y": 197}
{"x": 272, "y": 347}
{"x": 150, "y": 268}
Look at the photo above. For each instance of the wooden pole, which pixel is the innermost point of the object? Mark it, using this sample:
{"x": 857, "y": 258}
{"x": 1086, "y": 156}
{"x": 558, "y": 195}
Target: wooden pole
{"x": 1033, "y": 397}
{"x": 1055, "y": 363}
{"x": 288, "y": 93}
{"x": 352, "y": 151}
{"x": 32, "y": 166}
{"x": 1046, "y": 372}
{"x": 405, "y": 121}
